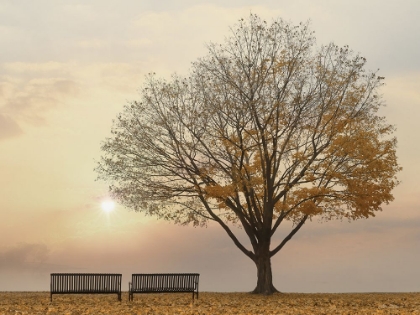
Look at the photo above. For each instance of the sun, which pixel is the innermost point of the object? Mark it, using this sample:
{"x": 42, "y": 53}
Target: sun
{"x": 108, "y": 206}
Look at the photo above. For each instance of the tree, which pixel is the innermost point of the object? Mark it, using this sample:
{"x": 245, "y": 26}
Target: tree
{"x": 265, "y": 130}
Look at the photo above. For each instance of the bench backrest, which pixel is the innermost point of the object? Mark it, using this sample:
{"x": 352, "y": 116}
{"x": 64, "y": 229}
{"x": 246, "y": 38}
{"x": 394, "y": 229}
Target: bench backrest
{"x": 85, "y": 282}
{"x": 164, "y": 281}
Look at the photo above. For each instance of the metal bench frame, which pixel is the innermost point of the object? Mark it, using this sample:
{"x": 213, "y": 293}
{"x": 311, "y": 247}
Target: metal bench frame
{"x": 85, "y": 283}
{"x": 163, "y": 283}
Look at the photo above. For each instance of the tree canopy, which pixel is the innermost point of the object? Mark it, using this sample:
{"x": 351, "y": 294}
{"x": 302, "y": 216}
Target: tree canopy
{"x": 266, "y": 128}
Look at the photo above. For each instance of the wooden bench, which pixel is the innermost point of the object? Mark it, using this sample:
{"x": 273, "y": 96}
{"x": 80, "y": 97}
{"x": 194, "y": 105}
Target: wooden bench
{"x": 85, "y": 283}
{"x": 163, "y": 283}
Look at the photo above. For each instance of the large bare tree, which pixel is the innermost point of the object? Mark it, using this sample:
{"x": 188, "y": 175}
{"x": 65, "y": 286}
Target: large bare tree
{"x": 266, "y": 128}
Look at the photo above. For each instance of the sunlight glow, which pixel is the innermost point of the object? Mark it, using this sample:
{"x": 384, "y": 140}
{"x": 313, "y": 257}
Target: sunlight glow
{"x": 108, "y": 206}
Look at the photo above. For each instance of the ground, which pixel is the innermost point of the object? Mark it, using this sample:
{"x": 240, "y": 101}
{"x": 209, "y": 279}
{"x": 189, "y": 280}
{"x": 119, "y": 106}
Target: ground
{"x": 33, "y": 303}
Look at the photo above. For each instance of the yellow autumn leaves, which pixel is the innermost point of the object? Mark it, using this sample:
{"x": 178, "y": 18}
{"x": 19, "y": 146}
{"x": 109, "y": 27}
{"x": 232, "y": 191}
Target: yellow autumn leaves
{"x": 37, "y": 303}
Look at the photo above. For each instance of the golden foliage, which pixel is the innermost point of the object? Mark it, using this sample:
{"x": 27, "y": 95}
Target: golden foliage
{"x": 37, "y": 303}
{"x": 220, "y": 192}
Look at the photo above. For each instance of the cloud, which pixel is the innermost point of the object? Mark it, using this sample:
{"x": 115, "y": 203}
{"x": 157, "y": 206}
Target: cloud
{"x": 8, "y": 128}
{"x": 28, "y": 91}
{"x": 29, "y": 100}
{"x": 24, "y": 256}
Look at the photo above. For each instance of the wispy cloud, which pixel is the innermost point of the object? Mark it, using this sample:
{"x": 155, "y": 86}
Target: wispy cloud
{"x": 28, "y": 91}
{"x": 24, "y": 256}
{"x": 8, "y": 128}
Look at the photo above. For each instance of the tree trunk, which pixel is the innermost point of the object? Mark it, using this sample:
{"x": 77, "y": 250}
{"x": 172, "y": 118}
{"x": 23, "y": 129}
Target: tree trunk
{"x": 264, "y": 276}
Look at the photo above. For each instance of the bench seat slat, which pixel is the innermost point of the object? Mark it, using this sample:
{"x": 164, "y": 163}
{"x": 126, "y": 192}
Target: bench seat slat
{"x": 164, "y": 283}
{"x": 92, "y": 283}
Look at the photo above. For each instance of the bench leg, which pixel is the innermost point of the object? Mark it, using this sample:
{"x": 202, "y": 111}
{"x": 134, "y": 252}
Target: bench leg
{"x": 196, "y": 295}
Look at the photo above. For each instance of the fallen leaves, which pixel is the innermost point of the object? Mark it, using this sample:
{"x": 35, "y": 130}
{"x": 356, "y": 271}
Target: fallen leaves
{"x": 34, "y": 303}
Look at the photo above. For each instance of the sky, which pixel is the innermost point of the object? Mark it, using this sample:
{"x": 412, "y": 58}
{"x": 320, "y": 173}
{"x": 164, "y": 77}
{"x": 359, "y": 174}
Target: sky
{"x": 67, "y": 68}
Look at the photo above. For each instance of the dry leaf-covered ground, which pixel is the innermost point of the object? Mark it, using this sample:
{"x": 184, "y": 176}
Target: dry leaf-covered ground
{"x": 33, "y": 303}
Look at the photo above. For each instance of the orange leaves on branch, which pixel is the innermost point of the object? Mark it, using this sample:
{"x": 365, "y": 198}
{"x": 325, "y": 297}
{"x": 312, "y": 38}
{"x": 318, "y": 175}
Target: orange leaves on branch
{"x": 310, "y": 208}
{"x": 220, "y": 192}
{"x": 307, "y": 200}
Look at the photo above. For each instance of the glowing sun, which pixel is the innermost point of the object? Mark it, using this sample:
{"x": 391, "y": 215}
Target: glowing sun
{"x": 108, "y": 206}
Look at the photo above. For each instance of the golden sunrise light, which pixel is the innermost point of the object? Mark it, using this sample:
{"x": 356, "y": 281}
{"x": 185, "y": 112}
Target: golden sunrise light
{"x": 108, "y": 206}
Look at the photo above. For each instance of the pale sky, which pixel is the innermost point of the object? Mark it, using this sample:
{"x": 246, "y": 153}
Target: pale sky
{"x": 66, "y": 70}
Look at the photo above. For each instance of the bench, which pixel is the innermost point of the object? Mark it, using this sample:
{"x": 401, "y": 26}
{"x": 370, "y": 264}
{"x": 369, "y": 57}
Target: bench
{"x": 163, "y": 283}
{"x": 85, "y": 283}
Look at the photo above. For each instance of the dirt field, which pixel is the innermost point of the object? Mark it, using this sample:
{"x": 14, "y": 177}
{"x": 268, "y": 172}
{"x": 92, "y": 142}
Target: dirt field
{"x": 13, "y": 303}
